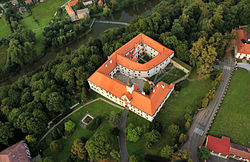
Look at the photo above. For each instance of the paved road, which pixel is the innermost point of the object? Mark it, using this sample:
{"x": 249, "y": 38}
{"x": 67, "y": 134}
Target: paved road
{"x": 244, "y": 65}
{"x": 203, "y": 119}
{"x": 122, "y": 137}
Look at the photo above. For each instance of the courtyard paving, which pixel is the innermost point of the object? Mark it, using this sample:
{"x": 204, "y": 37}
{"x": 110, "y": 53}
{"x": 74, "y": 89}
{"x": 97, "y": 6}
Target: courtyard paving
{"x": 124, "y": 78}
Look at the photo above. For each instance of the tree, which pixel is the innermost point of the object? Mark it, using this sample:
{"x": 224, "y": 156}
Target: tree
{"x": 178, "y": 30}
{"x": 202, "y": 56}
{"x": 114, "y": 118}
{"x": 30, "y": 138}
{"x": 147, "y": 88}
{"x": 69, "y": 126}
{"x": 155, "y": 125}
{"x": 56, "y": 146}
{"x": 174, "y": 130}
{"x": 132, "y": 158}
{"x": 98, "y": 146}
{"x": 107, "y": 11}
{"x": 203, "y": 153}
{"x": 169, "y": 40}
{"x": 45, "y": 159}
{"x": 167, "y": 151}
{"x": 115, "y": 155}
{"x": 182, "y": 52}
{"x": 55, "y": 101}
{"x": 182, "y": 138}
{"x": 151, "y": 138}
{"x": 187, "y": 125}
{"x": 133, "y": 134}
{"x": 6, "y": 132}
{"x": 78, "y": 149}
{"x": 181, "y": 155}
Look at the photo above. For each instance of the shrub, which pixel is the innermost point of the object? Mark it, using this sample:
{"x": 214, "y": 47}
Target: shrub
{"x": 69, "y": 126}
{"x": 56, "y": 133}
{"x": 203, "y": 153}
{"x": 132, "y": 158}
{"x": 182, "y": 138}
{"x": 133, "y": 134}
{"x": 152, "y": 137}
{"x": 56, "y": 146}
{"x": 174, "y": 130}
{"x": 95, "y": 123}
{"x": 187, "y": 125}
{"x": 167, "y": 151}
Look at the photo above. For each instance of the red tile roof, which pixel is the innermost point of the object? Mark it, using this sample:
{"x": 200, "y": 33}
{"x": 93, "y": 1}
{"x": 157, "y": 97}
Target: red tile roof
{"x": 100, "y": 2}
{"x": 72, "y": 3}
{"x": 14, "y": 153}
{"x": 241, "y": 47}
{"x": 69, "y": 10}
{"x": 28, "y": 1}
{"x": 240, "y": 151}
{"x": 147, "y": 103}
{"x": 220, "y": 145}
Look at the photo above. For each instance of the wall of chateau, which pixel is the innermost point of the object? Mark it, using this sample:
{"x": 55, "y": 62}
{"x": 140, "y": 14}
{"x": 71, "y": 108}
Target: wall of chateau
{"x": 242, "y": 56}
{"x": 143, "y": 74}
{"x": 150, "y": 51}
{"x": 119, "y": 101}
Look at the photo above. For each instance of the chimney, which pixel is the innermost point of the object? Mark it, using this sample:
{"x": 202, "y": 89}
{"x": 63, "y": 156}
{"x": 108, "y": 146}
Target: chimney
{"x": 106, "y": 65}
{"x": 110, "y": 61}
{"x": 163, "y": 86}
{"x": 108, "y": 58}
{"x": 153, "y": 90}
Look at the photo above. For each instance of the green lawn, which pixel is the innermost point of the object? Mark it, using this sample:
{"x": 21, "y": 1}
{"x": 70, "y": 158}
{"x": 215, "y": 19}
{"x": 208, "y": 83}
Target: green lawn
{"x": 94, "y": 109}
{"x": 43, "y": 12}
{"x": 174, "y": 109}
{"x": 176, "y": 74}
{"x": 233, "y": 118}
{"x": 5, "y": 30}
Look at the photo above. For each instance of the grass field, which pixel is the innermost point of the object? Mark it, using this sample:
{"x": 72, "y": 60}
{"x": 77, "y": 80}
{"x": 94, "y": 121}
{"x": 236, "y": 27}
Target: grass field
{"x": 94, "y": 109}
{"x": 233, "y": 118}
{"x": 4, "y": 29}
{"x": 174, "y": 109}
{"x": 43, "y": 12}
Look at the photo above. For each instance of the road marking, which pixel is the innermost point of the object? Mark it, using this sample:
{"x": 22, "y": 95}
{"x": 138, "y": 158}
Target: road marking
{"x": 198, "y": 131}
{"x": 227, "y": 67}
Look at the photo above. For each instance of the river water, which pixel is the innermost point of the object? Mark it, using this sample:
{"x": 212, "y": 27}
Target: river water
{"x": 125, "y": 15}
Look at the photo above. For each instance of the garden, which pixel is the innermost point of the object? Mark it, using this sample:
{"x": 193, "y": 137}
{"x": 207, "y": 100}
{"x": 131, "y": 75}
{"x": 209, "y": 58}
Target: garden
{"x": 233, "y": 118}
{"x": 170, "y": 125}
{"x": 66, "y": 140}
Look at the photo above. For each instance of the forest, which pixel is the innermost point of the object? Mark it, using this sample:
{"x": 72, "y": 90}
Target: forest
{"x": 198, "y": 31}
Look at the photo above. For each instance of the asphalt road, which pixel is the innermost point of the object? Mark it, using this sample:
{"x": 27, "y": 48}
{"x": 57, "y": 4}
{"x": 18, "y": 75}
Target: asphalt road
{"x": 122, "y": 137}
{"x": 204, "y": 118}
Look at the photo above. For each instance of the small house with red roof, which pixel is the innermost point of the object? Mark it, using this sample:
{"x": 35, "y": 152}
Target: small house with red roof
{"x": 222, "y": 147}
{"x": 100, "y": 3}
{"x": 28, "y": 2}
{"x": 242, "y": 47}
{"x": 18, "y": 152}
{"x": 124, "y": 61}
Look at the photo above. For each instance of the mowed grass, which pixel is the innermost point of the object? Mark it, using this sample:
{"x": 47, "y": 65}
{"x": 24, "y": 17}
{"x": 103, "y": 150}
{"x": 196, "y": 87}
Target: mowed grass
{"x": 95, "y": 109}
{"x": 174, "y": 109}
{"x": 43, "y": 12}
{"x": 4, "y": 29}
{"x": 233, "y": 118}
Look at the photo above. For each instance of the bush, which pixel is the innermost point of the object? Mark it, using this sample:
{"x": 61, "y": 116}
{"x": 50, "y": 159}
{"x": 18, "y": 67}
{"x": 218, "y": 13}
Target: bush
{"x": 187, "y": 125}
{"x": 182, "y": 138}
{"x": 132, "y": 158}
{"x": 56, "y": 146}
{"x": 151, "y": 138}
{"x": 56, "y": 133}
{"x": 203, "y": 153}
{"x": 174, "y": 130}
{"x": 167, "y": 151}
{"x": 95, "y": 123}
{"x": 69, "y": 126}
{"x": 133, "y": 134}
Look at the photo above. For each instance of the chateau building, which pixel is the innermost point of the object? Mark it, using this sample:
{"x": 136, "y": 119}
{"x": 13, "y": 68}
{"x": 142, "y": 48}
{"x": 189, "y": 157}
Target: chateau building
{"x": 242, "y": 47}
{"x": 125, "y": 62}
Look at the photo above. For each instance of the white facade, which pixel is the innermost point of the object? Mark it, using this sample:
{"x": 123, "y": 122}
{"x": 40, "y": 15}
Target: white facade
{"x": 241, "y": 55}
{"x": 124, "y": 101}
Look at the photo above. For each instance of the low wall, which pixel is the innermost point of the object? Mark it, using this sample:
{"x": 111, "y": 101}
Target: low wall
{"x": 179, "y": 66}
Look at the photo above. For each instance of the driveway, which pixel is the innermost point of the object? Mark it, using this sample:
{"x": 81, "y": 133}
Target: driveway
{"x": 203, "y": 119}
{"x": 122, "y": 137}
{"x": 244, "y": 65}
